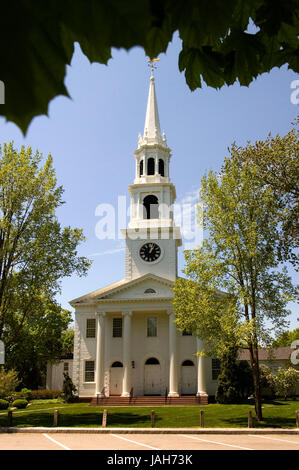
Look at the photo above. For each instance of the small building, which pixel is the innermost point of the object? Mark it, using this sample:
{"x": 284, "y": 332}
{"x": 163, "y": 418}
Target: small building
{"x": 272, "y": 358}
{"x": 55, "y": 371}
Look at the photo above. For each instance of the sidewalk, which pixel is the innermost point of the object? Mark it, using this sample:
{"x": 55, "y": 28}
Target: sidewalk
{"x": 150, "y": 430}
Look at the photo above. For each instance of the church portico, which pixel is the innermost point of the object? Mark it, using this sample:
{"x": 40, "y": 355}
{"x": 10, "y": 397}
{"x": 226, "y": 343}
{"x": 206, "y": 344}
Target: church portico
{"x": 125, "y": 367}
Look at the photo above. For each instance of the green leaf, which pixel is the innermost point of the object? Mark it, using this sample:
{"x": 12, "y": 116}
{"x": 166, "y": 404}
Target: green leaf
{"x": 203, "y": 63}
{"x": 36, "y": 44}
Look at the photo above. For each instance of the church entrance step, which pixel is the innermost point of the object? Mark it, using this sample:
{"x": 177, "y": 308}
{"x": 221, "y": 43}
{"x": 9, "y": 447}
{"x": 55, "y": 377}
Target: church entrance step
{"x": 149, "y": 401}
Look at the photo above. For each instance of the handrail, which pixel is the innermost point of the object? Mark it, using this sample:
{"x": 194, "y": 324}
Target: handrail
{"x": 131, "y": 393}
{"x": 166, "y": 390}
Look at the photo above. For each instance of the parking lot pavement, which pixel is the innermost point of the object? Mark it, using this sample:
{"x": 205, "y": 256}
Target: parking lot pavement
{"x": 114, "y": 441}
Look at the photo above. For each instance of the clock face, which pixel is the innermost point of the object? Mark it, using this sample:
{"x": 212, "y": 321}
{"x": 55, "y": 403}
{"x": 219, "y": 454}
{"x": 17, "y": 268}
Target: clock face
{"x": 150, "y": 252}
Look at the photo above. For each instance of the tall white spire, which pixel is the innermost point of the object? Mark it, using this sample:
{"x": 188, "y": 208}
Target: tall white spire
{"x": 152, "y": 130}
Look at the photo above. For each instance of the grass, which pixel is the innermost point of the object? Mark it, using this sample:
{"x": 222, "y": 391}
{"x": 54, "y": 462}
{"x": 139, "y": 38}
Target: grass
{"x": 276, "y": 414}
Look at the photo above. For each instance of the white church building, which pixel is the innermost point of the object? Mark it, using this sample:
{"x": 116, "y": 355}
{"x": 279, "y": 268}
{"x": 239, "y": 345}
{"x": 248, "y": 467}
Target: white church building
{"x": 126, "y": 341}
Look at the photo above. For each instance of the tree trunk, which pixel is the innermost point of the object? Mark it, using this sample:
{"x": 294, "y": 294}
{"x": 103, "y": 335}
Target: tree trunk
{"x": 256, "y": 381}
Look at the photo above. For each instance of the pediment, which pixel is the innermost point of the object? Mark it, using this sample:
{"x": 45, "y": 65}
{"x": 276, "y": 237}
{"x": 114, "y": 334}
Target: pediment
{"x": 145, "y": 289}
{"x": 140, "y": 289}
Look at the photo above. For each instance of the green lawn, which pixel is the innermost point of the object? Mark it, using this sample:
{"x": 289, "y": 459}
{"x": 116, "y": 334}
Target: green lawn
{"x": 276, "y": 414}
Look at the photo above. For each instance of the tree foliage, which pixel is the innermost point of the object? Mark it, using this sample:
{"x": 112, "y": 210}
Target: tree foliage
{"x": 217, "y": 47}
{"x": 67, "y": 340}
{"x": 286, "y": 338}
{"x": 228, "y": 387}
{"x": 277, "y": 164}
{"x": 68, "y": 389}
{"x": 35, "y": 253}
{"x": 38, "y": 341}
{"x": 234, "y": 284}
{"x": 245, "y": 380}
{"x": 8, "y": 382}
{"x": 284, "y": 381}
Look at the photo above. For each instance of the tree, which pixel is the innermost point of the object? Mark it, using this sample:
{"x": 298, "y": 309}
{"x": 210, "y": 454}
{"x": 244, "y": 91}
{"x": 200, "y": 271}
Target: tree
{"x": 38, "y": 341}
{"x": 277, "y": 164}
{"x": 217, "y": 47}
{"x": 35, "y": 251}
{"x": 286, "y": 338}
{"x": 227, "y": 387}
{"x": 234, "y": 283}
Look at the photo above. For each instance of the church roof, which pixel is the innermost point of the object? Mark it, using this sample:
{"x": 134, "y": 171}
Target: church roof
{"x": 100, "y": 294}
{"x": 266, "y": 354}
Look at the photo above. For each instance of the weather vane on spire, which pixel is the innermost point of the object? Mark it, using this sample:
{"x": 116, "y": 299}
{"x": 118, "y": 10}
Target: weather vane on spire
{"x": 152, "y": 65}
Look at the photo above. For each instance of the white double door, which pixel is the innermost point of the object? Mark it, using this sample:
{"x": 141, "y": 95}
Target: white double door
{"x": 152, "y": 379}
{"x": 188, "y": 380}
{"x": 116, "y": 380}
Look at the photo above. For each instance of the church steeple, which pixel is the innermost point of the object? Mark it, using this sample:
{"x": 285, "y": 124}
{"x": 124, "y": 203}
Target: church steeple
{"x": 152, "y": 196}
{"x": 152, "y": 130}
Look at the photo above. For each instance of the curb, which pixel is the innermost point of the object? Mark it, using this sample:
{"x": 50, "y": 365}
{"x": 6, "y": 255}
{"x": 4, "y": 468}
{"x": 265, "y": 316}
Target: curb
{"x": 150, "y": 430}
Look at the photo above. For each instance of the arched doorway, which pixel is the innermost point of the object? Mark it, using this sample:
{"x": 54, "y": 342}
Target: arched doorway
{"x": 116, "y": 378}
{"x": 188, "y": 378}
{"x": 152, "y": 377}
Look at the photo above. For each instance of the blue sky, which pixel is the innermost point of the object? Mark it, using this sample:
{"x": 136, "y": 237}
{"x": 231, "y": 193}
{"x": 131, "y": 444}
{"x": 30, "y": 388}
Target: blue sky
{"x": 93, "y": 135}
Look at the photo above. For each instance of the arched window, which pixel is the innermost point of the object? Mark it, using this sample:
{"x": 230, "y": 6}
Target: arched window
{"x": 141, "y": 168}
{"x": 152, "y": 360}
{"x": 151, "y": 166}
{"x": 150, "y": 291}
{"x": 188, "y": 363}
{"x": 151, "y": 207}
{"x": 161, "y": 167}
{"x": 117, "y": 364}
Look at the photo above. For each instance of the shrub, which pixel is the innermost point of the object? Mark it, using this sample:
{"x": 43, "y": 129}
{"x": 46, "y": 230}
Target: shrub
{"x": 45, "y": 394}
{"x": 8, "y": 382}
{"x": 26, "y": 393}
{"x": 285, "y": 381}
{"x": 68, "y": 389}
{"x": 4, "y": 404}
{"x": 20, "y": 403}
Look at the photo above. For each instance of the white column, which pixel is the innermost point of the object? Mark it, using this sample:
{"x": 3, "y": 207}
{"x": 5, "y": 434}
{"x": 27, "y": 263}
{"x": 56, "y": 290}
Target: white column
{"x": 126, "y": 354}
{"x": 173, "y": 362}
{"x": 202, "y": 371}
{"x": 100, "y": 318}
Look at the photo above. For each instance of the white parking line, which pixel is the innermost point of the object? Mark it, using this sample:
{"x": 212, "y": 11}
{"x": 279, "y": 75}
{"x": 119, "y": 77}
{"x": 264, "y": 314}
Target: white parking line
{"x": 276, "y": 439}
{"x": 215, "y": 442}
{"x": 56, "y": 442}
{"x": 135, "y": 442}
